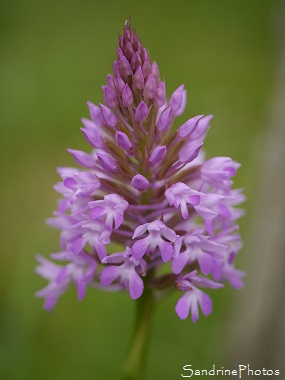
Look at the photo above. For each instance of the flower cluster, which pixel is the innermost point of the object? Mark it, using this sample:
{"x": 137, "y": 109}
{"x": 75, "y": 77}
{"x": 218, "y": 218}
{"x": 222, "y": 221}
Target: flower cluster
{"x": 150, "y": 191}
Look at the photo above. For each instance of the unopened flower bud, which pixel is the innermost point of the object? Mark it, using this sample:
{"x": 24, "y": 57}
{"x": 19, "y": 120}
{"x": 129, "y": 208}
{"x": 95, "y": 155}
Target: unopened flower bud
{"x": 146, "y": 69}
{"x": 107, "y": 115}
{"x": 93, "y": 138}
{"x": 138, "y": 78}
{"x": 141, "y": 113}
{"x": 136, "y": 61}
{"x": 157, "y": 155}
{"x": 125, "y": 67}
{"x": 110, "y": 97}
{"x": 119, "y": 83}
{"x": 95, "y": 114}
{"x": 150, "y": 87}
{"x": 189, "y": 126}
{"x": 161, "y": 94}
{"x": 176, "y": 98}
{"x": 155, "y": 72}
{"x": 123, "y": 141}
{"x": 165, "y": 120}
{"x": 110, "y": 81}
{"x": 120, "y": 53}
{"x": 116, "y": 68}
{"x": 139, "y": 182}
{"x": 129, "y": 51}
{"x": 189, "y": 152}
{"x": 107, "y": 162}
{"x": 82, "y": 158}
{"x": 127, "y": 96}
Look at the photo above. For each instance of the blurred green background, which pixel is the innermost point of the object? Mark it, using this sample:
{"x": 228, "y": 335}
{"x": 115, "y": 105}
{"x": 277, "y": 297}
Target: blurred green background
{"x": 54, "y": 57}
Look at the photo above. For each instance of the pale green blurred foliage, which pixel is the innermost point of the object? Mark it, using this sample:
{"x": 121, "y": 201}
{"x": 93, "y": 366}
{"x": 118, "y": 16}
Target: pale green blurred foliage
{"x": 55, "y": 55}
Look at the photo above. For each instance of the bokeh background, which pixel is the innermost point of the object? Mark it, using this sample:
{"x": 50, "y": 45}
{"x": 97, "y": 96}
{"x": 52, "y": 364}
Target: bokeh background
{"x": 54, "y": 57}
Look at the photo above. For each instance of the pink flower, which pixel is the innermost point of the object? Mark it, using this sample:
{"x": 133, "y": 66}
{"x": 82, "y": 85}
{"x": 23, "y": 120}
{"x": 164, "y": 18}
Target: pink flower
{"x": 147, "y": 189}
{"x": 157, "y": 232}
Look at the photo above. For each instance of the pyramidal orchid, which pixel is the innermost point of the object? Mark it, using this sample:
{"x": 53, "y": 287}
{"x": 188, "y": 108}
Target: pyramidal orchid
{"x": 150, "y": 190}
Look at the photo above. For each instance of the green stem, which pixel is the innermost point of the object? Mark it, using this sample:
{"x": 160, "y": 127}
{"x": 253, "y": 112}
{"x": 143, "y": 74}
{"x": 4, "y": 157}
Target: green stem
{"x": 138, "y": 348}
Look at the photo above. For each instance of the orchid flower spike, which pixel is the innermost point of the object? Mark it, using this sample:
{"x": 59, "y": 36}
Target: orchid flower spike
{"x": 150, "y": 190}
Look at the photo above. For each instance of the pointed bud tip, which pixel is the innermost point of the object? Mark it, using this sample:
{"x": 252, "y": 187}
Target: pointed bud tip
{"x": 139, "y": 182}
